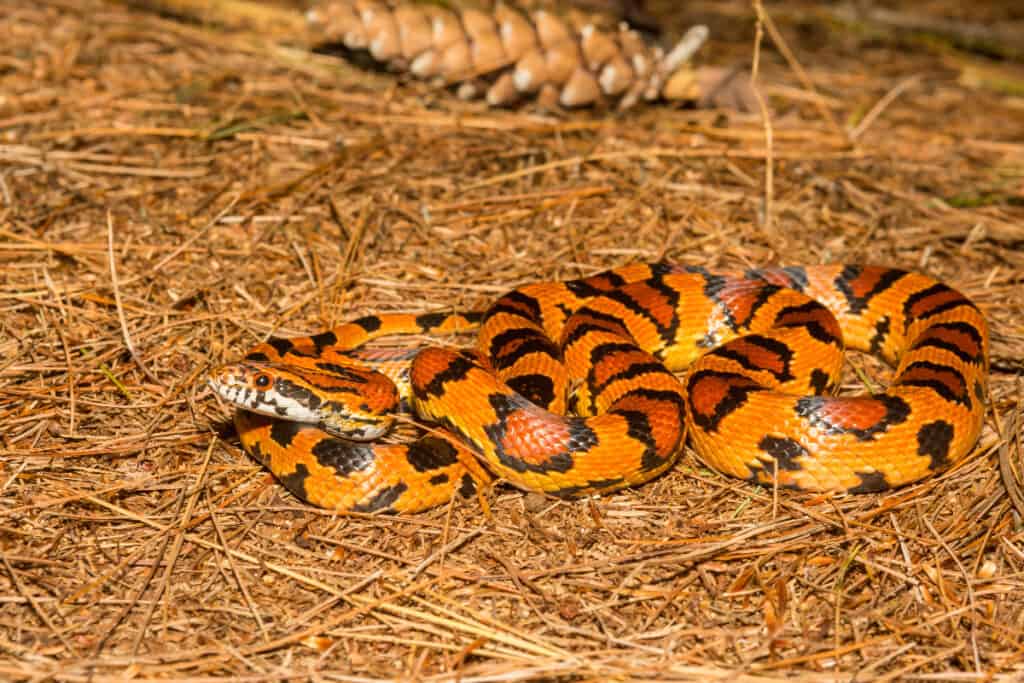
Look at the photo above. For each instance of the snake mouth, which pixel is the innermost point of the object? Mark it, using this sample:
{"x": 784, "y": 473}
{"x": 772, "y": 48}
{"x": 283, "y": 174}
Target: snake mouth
{"x": 225, "y": 390}
{"x": 286, "y": 407}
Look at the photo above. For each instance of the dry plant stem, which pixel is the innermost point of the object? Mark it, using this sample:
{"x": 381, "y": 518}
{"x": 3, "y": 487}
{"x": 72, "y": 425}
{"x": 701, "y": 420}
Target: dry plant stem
{"x": 239, "y": 579}
{"x": 67, "y": 351}
{"x": 1011, "y": 462}
{"x": 881, "y": 105}
{"x": 179, "y": 538}
{"x": 443, "y": 551}
{"x": 36, "y": 607}
{"x": 794, "y": 64}
{"x": 769, "y": 158}
{"x": 142, "y": 585}
{"x": 972, "y": 614}
{"x": 120, "y": 307}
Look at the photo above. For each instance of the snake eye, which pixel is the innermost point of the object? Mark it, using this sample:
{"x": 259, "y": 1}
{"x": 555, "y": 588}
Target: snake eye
{"x": 263, "y": 381}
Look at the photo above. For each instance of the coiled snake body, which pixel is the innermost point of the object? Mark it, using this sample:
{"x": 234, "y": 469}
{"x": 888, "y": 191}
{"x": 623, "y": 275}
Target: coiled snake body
{"x": 763, "y": 352}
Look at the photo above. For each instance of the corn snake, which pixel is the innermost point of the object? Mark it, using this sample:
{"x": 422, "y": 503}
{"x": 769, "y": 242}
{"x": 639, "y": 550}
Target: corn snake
{"x": 763, "y": 351}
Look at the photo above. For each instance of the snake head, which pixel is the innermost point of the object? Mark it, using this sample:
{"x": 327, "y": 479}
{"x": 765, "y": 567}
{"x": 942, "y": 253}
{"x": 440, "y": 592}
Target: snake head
{"x": 350, "y": 402}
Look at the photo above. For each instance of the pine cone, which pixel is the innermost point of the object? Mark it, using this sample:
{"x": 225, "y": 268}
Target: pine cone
{"x": 507, "y": 54}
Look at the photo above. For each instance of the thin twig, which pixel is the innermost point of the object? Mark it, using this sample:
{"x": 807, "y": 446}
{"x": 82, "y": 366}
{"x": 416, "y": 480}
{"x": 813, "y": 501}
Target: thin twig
{"x": 120, "y": 306}
{"x": 766, "y": 120}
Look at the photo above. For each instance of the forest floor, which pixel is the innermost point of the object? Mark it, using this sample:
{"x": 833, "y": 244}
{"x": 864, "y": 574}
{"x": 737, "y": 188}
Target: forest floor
{"x": 172, "y": 193}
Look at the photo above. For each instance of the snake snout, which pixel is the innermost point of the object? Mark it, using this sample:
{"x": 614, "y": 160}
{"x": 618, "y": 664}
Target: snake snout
{"x": 227, "y": 382}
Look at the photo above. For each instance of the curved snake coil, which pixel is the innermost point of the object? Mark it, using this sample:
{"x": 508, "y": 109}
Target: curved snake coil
{"x": 763, "y": 351}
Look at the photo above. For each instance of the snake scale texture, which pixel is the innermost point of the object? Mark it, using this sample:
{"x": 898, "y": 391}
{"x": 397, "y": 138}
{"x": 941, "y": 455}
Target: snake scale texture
{"x": 592, "y": 385}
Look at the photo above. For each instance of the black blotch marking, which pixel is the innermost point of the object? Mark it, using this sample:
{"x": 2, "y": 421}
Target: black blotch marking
{"x": 456, "y": 371}
{"x": 283, "y": 431}
{"x": 785, "y": 452}
{"x": 281, "y": 345}
{"x": 631, "y": 371}
{"x": 431, "y": 453}
{"x": 384, "y": 499}
{"x": 601, "y": 351}
{"x": 428, "y": 321}
{"x": 714, "y": 288}
{"x": 468, "y": 486}
{"x": 810, "y": 408}
{"x": 764, "y": 294}
{"x": 763, "y": 476}
{"x": 979, "y": 391}
{"x": 882, "y": 329}
{"x": 539, "y": 389}
{"x": 323, "y": 340}
{"x": 504, "y": 406}
{"x": 772, "y": 346}
{"x": 343, "y": 456}
{"x": 584, "y": 289}
{"x": 258, "y": 356}
{"x": 638, "y": 425}
{"x": 662, "y": 268}
{"x": 813, "y": 327}
{"x": 599, "y": 283}
{"x": 941, "y": 388}
{"x": 594, "y": 321}
{"x": 740, "y": 388}
{"x": 581, "y": 436}
{"x": 668, "y": 295}
{"x": 255, "y": 451}
{"x": 935, "y": 290}
{"x": 370, "y": 323}
{"x": 927, "y": 339}
{"x": 870, "y": 482}
{"x": 439, "y": 479}
{"x": 516, "y": 303}
{"x": 933, "y": 440}
{"x": 296, "y": 481}
{"x": 857, "y": 304}
{"x": 520, "y": 342}
{"x": 588, "y": 488}
{"x": 343, "y": 372}
{"x": 565, "y": 309}
{"x": 820, "y": 381}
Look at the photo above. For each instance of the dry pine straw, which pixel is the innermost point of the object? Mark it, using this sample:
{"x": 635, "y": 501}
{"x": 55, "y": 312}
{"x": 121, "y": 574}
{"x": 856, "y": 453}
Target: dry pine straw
{"x": 171, "y": 195}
